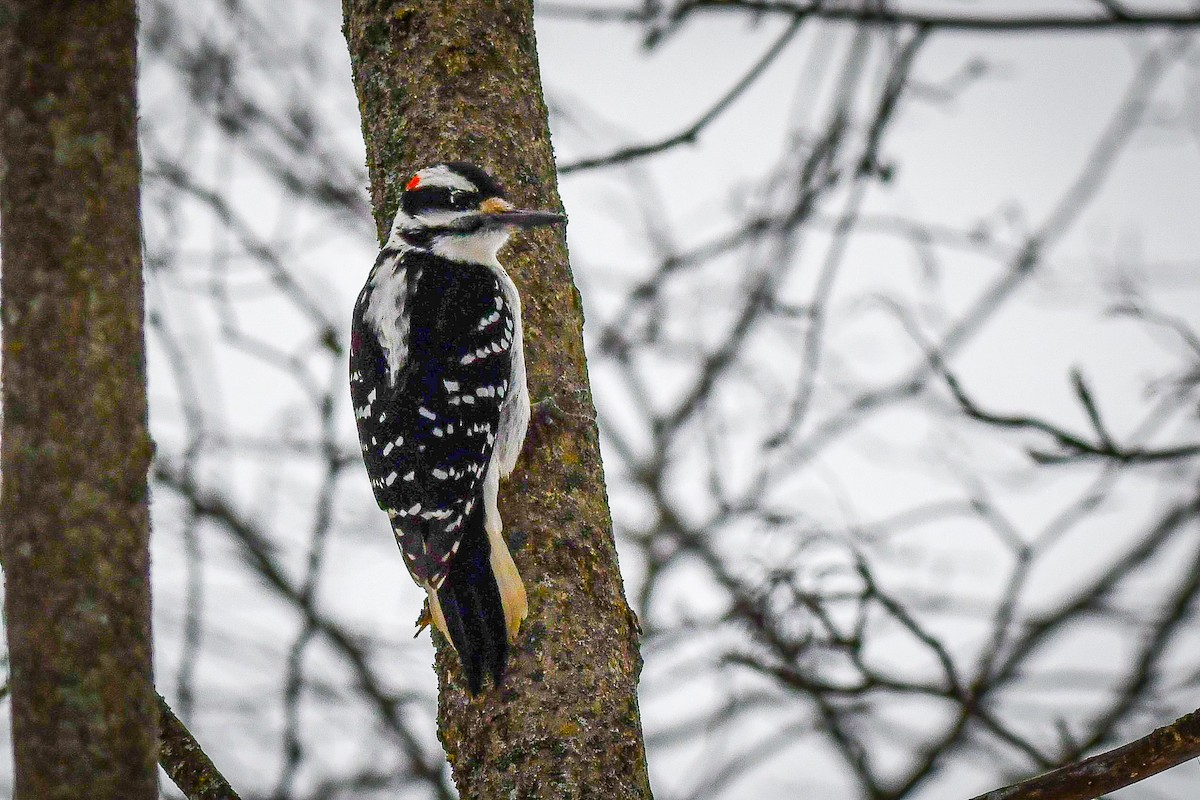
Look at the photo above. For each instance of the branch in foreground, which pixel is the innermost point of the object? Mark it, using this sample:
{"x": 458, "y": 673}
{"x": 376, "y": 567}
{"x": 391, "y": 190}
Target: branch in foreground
{"x": 181, "y": 757}
{"x": 1163, "y": 749}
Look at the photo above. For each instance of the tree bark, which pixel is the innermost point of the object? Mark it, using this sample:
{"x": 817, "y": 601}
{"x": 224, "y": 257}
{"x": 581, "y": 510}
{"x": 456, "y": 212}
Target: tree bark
{"x": 75, "y": 446}
{"x": 458, "y": 80}
{"x": 185, "y": 761}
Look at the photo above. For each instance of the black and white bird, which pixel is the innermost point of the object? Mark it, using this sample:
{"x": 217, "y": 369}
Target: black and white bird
{"x": 437, "y": 379}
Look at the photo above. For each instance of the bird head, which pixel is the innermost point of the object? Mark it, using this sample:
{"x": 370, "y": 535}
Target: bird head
{"x": 460, "y": 212}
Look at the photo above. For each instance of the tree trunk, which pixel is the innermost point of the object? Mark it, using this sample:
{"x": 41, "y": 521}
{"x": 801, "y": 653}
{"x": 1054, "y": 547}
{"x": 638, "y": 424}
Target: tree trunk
{"x": 75, "y": 446}
{"x": 458, "y": 80}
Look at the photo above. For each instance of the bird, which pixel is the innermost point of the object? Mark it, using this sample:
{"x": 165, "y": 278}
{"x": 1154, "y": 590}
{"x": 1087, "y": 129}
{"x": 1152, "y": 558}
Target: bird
{"x": 441, "y": 404}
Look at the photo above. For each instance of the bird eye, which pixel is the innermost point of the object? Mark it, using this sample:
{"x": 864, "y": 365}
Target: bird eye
{"x": 424, "y": 199}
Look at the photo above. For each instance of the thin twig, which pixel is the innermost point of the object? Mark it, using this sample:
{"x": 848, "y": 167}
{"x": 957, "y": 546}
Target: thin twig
{"x": 689, "y": 134}
{"x": 879, "y": 14}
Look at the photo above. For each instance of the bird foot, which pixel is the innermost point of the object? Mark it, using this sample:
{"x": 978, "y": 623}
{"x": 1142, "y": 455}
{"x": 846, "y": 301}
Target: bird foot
{"x": 423, "y": 621}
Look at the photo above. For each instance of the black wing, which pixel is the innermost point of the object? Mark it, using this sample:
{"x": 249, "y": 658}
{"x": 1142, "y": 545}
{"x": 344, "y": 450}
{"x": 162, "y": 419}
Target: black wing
{"x": 427, "y": 437}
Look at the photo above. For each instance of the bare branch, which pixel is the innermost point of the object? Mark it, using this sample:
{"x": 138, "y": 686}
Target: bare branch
{"x": 182, "y": 758}
{"x": 879, "y": 14}
{"x": 1169, "y": 746}
{"x": 689, "y": 134}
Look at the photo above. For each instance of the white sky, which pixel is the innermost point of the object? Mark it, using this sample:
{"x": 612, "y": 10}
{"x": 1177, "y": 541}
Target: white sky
{"x": 1000, "y": 154}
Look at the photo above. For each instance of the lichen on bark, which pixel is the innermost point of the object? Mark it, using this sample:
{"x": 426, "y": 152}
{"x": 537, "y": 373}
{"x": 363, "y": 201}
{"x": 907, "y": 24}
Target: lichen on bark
{"x": 447, "y": 80}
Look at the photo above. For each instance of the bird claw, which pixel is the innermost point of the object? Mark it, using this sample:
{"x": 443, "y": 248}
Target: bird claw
{"x": 423, "y": 621}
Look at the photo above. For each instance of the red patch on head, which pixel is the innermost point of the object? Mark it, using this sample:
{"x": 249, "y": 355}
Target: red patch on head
{"x": 414, "y": 183}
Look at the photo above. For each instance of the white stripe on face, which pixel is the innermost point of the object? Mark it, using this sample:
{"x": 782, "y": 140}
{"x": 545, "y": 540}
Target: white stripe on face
{"x": 441, "y": 175}
{"x": 441, "y": 219}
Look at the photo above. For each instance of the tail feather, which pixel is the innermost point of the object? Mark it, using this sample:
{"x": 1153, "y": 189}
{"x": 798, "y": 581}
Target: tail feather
{"x": 472, "y": 608}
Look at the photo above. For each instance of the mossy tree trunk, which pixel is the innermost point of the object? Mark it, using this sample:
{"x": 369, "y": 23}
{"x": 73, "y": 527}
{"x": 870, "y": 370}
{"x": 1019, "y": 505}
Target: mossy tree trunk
{"x": 75, "y": 446}
{"x": 458, "y": 80}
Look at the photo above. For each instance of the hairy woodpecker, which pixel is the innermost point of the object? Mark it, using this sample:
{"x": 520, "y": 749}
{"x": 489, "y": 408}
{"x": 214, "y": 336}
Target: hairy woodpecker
{"x": 437, "y": 379}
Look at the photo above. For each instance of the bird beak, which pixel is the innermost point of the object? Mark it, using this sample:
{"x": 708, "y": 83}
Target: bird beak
{"x": 497, "y": 211}
{"x": 528, "y": 219}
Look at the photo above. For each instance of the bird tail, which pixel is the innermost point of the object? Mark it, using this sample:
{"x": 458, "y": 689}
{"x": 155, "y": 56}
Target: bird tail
{"x": 481, "y": 603}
